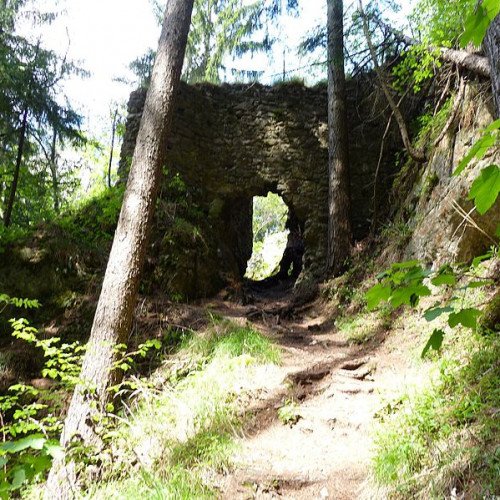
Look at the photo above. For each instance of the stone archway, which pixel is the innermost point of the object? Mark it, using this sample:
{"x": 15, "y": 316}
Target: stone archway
{"x": 234, "y": 142}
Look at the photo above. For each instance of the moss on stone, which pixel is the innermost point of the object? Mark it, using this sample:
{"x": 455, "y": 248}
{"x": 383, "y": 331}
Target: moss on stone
{"x": 490, "y": 319}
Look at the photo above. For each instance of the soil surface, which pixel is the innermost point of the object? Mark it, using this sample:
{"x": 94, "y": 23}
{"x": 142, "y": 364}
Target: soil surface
{"x": 335, "y": 391}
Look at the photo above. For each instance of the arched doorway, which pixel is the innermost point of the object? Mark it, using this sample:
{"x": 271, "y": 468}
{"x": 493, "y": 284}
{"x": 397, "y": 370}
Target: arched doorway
{"x": 278, "y": 245}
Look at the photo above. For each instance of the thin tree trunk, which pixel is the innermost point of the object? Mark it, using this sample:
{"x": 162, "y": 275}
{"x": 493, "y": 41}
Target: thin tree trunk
{"x": 113, "y": 318}
{"x": 374, "y": 224}
{"x": 417, "y": 155}
{"x": 17, "y": 169}
{"x": 339, "y": 216}
{"x": 492, "y": 49}
{"x": 53, "y": 171}
{"x": 113, "y": 133}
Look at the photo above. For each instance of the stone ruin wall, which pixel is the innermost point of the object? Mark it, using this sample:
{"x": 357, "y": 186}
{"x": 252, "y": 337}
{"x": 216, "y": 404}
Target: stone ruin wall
{"x": 234, "y": 142}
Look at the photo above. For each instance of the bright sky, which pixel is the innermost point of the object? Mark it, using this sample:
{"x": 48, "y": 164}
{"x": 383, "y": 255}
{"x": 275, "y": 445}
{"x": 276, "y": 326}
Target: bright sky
{"x": 106, "y": 35}
{"x": 103, "y": 36}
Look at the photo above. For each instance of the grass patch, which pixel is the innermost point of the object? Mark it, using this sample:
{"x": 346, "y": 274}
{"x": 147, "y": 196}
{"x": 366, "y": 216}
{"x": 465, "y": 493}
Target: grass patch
{"x": 177, "y": 484}
{"x": 364, "y": 326}
{"x": 227, "y": 340}
{"x": 205, "y": 448}
{"x": 179, "y": 436}
{"x": 289, "y": 413}
{"x": 445, "y": 438}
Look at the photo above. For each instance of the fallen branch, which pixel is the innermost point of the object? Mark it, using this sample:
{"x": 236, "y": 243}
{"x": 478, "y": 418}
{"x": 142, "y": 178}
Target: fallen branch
{"x": 473, "y": 62}
{"x": 466, "y": 217}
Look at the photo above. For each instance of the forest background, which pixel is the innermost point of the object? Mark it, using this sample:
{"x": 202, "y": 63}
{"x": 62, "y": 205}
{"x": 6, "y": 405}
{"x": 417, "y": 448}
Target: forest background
{"x": 42, "y": 177}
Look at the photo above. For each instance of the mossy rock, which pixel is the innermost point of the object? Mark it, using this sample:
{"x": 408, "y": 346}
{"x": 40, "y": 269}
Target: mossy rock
{"x": 490, "y": 320}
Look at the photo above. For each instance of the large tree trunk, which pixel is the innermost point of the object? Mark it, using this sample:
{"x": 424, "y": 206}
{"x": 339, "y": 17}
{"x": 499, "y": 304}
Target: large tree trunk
{"x": 339, "y": 216}
{"x": 113, "y": 318}
{"x": 17, "y": 169}
{"x": 492, "y": 49}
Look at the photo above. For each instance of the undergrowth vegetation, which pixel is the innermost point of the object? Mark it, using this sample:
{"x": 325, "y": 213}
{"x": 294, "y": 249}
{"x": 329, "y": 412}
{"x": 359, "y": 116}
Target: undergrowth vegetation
{"x": 175, "y": 437}
{"x": 443, "y": 440}
{"x": 30, "y": 416}
{"x": 93, "y": 221}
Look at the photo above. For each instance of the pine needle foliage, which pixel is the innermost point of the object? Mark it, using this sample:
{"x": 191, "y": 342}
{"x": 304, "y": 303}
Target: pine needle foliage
{"x": 222, "y": 30}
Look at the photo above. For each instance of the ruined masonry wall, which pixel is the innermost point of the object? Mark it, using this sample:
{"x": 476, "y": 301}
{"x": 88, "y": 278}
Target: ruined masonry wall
{"x": 233, "y": 142}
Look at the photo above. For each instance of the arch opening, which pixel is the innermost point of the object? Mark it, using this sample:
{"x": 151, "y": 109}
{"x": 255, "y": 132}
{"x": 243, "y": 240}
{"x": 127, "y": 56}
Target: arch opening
{"x": 277, "y": 240}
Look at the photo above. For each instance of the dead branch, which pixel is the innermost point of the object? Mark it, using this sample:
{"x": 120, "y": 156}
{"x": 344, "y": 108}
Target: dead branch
{"x": 453, "y": 115}
{"x": 379, "y": 164}
{"x": 466, "y": 218}
{"x": 417, "y": 155}
{"x": 444, "y": 93}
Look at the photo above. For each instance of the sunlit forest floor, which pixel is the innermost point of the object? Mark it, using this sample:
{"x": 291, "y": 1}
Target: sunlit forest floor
{"x": 253, "y": 394}
{"x": 308, "y": 437}
{"x": 306, "y": 402}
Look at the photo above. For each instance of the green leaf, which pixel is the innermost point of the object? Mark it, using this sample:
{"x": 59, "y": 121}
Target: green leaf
{"x": 444, "y": 279}
{"x": 435, "y": 342}
{"x": 35, "y": 442}
{"x": 478, "y": 150}
{"x": 477, "y": 23}
{"x": 485, "y": 188}
{"x": 465, "y": 317}
{"x": 54, "y": 449}
{"x": 40, "y": 463}
{"x": 434, "y": 312}
{"x": 19, "y": 477}
{"x": 479, "y": 284}
{"x": 480, "y": 147}
{"x": 377, "y": 294}
{"x": 409, "y": 295}
{"x": 156, "y": 344}
{"x": 481, "y": 258}
{"x": 492, "y": 127}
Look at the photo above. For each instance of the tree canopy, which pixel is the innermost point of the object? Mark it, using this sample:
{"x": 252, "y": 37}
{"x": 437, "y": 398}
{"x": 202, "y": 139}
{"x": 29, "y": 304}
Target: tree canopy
{"x": 33, "y": 112}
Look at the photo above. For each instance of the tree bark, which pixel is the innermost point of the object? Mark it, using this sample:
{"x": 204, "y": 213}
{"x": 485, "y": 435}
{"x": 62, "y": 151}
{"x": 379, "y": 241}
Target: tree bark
{"x": 17, "y": 169}
{"x": 53, "y": 171}
{"x": 492, "y": 49}
{"x": 113, "y": 133}
{"x": 339, "y": 216}
{"x": 113, "y": 318}
{"x": 463, "y": 59}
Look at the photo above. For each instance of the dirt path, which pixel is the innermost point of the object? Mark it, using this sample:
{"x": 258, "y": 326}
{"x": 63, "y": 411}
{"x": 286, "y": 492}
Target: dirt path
{"x": 326, "y": 453}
